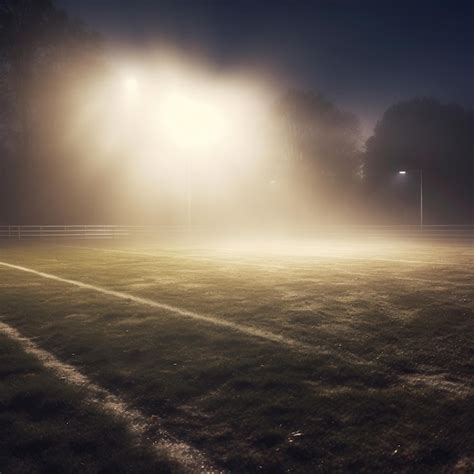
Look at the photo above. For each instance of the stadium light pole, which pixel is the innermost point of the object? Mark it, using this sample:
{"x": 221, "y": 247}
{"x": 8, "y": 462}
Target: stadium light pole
{"x": 420, "y": 172}
{"x": 130, "y": 89}
{"x": 189, "y": 196}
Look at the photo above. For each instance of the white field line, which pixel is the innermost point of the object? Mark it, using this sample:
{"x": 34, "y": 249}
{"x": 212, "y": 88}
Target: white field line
{"x": 287, "y": 267}
{"x": 138, "y": 424}
{"x": 388, "y": 276}
{"x": 272, "y": 265}
{"x": 441, "y": 382}
{"x": 351, "y": 257}
{"x": 172, "y": 255}
{"x": 373, "y": 274}
{"x": 247, "y": 330}
{"x": 394, "y": 260}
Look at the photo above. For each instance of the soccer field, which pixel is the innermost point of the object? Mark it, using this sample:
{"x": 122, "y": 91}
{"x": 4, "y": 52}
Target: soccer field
{"x": 319, "y": 357}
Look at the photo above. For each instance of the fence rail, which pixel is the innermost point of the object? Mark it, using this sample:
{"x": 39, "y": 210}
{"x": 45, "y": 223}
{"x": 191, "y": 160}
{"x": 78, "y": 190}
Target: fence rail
{"x": 82, "y": 231}
{"x": 434, "y": 232}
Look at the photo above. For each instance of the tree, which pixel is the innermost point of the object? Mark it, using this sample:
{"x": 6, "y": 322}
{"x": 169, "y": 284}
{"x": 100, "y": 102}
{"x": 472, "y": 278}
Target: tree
{"x": 423, "y": 134}
{"x": 40, "y": 48}
{"x": 320, "y": 133}
{"x": 321, "y": 152}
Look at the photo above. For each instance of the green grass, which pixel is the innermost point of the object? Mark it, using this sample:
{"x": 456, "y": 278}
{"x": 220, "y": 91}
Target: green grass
{"x": 49, "y": 426}
{"x": 388, "y": 386}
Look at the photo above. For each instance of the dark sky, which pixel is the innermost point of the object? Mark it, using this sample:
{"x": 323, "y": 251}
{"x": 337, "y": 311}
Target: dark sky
{"x": 364, "y": 55}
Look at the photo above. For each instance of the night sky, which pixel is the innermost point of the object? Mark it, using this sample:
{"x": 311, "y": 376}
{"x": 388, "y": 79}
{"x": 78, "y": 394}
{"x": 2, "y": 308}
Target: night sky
{"x": 364, "y": 55}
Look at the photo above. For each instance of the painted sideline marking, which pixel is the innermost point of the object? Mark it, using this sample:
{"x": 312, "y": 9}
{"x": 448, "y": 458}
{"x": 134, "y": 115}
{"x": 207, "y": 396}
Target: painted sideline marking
{"x": 287, "y": 267}
{"x": 395, "y": 277}
{"x": 218, "y": 260}
{"x": 352, "y": 257}
{"x": 188, "y": 457}
{"x": 248, "y": 330}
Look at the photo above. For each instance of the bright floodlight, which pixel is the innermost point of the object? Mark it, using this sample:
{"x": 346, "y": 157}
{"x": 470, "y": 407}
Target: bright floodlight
{"x": 402, "y": 172}
{"x": 168, "y": 125}
{"x": 130, "y": 85}
{"x": 192, "y": 121}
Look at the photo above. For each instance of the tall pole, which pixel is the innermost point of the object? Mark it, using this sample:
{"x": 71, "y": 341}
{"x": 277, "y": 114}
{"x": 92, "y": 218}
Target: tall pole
{"x": 188, "y": 192}
{"x": 421, "y": 198}
{"x": 421, "y": 192}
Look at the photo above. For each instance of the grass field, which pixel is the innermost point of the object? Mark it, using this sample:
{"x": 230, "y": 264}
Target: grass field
{"x": 313, "y": 358}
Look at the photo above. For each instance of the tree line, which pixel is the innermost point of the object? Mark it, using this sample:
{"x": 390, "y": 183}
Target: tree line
{"x": 323, "y": 157}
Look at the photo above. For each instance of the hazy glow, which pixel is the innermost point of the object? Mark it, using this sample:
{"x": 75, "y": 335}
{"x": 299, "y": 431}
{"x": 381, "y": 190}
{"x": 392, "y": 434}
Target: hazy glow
{"x": 130, "y": 85}
{"x": 165, "y": 122}
{"x": 402, "y": 172}
{"x": 193, "y": 122}
{"x": 161, "y": 130}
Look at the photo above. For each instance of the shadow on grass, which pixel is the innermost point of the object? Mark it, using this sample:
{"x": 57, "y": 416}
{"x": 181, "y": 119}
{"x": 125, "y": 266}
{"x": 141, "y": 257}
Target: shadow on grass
{"x": 47, "y": 427}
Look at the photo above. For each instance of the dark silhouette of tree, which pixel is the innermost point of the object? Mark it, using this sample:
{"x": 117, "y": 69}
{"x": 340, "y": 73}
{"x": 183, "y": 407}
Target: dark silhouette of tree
{"x": 321, "y": 155}
{"x": 423, "y": 134}
{"x": 320, "y": 134}
{"x": 41, "y": 48}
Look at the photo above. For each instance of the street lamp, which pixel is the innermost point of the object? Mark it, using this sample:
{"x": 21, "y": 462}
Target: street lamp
{"x": 403, "y": 172}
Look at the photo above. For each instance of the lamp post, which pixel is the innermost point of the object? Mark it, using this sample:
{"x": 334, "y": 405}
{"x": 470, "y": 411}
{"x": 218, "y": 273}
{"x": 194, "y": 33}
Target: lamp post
{"x": 421, "y": 191}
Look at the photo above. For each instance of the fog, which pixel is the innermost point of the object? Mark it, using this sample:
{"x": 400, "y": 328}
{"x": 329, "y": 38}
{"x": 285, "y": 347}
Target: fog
{"x": 176, "y": 134}
{"x": 163, "y": 134}
{"x": 164, "y": 138}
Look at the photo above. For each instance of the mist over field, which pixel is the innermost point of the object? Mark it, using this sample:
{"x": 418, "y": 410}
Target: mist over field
{"x": 101, "y": 131}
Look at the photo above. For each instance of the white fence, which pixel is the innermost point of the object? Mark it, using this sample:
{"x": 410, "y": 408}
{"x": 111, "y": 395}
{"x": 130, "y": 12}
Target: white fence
{"x": 85, "y": 231}
{"x": 462, "y": 233}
